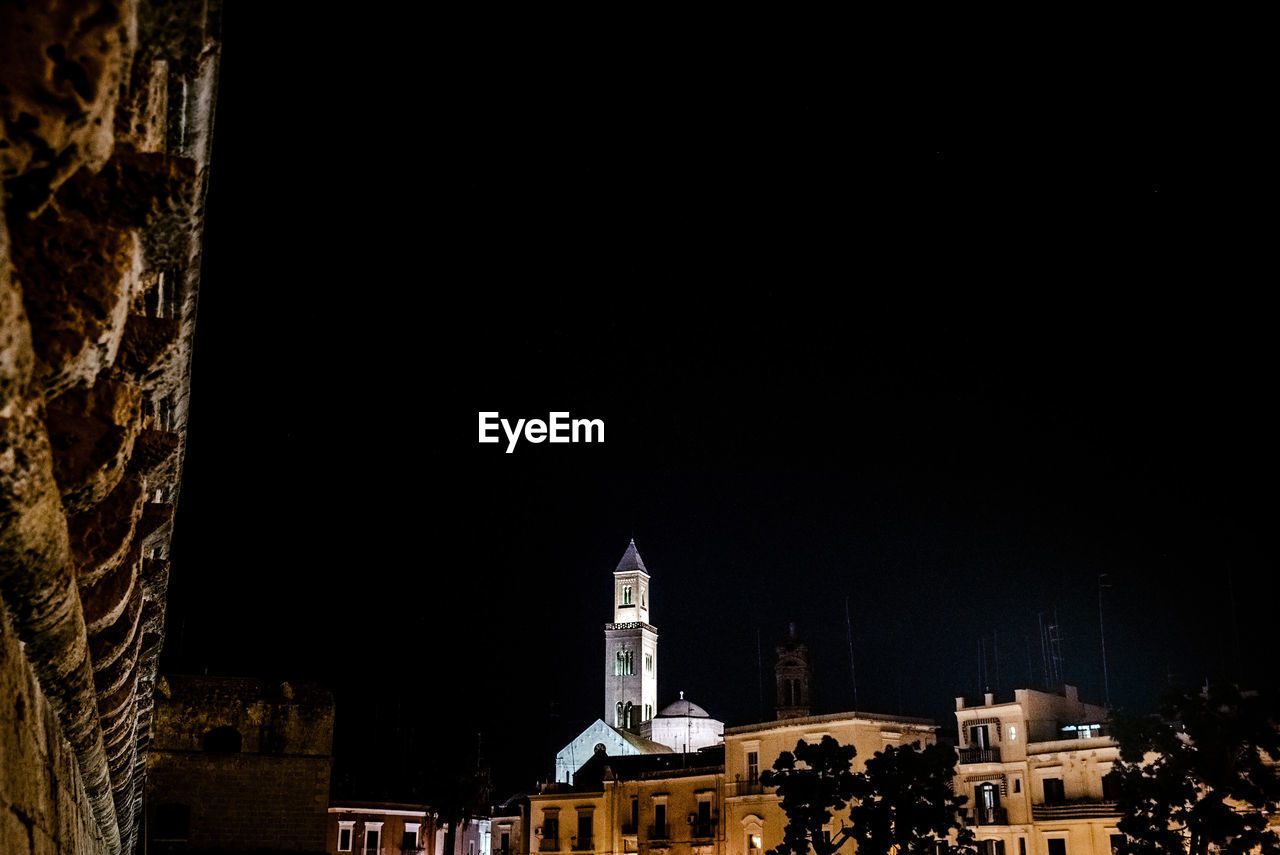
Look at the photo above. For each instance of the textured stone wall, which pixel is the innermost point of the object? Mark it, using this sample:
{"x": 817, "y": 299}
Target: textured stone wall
{"x": 271, "y": 795}
{"x": 106, "y": 111}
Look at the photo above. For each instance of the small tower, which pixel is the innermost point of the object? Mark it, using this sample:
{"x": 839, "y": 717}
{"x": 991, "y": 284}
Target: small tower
{"x": 630, "y": 647}
{"x": 794, "y": 674}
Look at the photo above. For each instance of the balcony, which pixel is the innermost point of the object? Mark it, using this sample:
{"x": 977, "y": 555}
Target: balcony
{"x": 990, "y": 816}
{"x": 549, "y": 844}
{"x": 979, "y": 755}
{"x": 583, "y": 844}
{"x": 1075, "y": 809}
{"x": 412, "y": 850}
{"x": 659, "y": 832}
{"x": 704, "y": 830}
{"x": 746, "y": 788}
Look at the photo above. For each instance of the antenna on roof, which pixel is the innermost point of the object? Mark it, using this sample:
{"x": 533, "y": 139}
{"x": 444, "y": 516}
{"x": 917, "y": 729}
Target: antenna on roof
{"x": 1106, "y": 683}
{"x": 853, "y": 675}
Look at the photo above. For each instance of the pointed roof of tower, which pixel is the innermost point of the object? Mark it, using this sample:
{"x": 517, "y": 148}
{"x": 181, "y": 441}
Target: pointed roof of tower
{"x": 631, "y": 560}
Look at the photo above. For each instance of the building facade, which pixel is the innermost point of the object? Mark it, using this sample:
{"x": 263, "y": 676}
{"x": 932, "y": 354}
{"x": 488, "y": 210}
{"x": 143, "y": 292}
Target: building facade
{"x": 380, "y": 828}
{"x": 239, "y": 766}
{"x": 1033, "y": 767}
{"x": 753, "y": 818}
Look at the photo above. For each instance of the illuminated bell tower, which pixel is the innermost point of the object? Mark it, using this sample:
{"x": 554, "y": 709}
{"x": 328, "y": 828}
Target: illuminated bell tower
{"x": 630, "y": 647}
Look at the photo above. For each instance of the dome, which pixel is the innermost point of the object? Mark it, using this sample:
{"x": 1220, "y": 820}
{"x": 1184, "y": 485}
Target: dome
{"x": 683, "y": 707}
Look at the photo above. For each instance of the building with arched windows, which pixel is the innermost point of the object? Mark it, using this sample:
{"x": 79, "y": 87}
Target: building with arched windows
{"x": 632, "y": 723}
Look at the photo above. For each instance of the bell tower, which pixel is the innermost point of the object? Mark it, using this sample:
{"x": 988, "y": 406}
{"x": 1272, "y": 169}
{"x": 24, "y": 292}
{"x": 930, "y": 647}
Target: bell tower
{"x": 794, "y": 674}
{"x": 630, "y": 647}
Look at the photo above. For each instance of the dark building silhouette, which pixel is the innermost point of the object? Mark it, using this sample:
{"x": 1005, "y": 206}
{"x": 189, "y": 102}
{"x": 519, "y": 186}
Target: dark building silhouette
{"x": 794, "y": 674}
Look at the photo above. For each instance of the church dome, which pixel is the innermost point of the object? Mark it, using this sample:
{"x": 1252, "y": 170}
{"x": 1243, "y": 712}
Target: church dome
{"x": 683, "y": 707}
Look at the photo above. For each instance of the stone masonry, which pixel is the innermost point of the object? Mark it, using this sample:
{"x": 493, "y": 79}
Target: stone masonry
{"x": 107, "y": 109}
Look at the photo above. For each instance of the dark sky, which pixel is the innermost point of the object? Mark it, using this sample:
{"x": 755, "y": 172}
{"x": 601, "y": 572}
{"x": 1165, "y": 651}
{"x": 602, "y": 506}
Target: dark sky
{"x": 946, "y": 354}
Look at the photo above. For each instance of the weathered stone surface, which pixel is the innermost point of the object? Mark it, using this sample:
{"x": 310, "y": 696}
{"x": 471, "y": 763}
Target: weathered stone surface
{"x": 62, "y": 64}
{"x": 77, "y": 277}
{"x": 152, "y": 448}
{"x": 102, "y": 171}
{"x": 93, "y": 431}
{"x": 148, "y": 347}
{"x": 102, "y": 536}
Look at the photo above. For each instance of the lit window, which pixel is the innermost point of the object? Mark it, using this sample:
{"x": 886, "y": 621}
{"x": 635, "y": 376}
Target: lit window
{"x": 1013, "y": 733}
{"x": 753, "y": 843}
{"x": 345, "y": 833}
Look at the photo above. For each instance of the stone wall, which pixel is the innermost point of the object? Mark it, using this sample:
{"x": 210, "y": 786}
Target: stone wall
{"x": 243, "y": 764}
{"x": 106, "y": 110}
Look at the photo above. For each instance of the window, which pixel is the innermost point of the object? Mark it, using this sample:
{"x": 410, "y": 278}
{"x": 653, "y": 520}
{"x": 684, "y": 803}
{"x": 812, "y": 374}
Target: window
{"x": 618, "y": 715}
{"x": 1017, "y": 785}
{"x": 978, "y": 737}
{"x": 635, "y": 812}
{"x": 623, "y": 663}
{"x": 753, "y": 766}
{"x": 1053, "y": 791}
{"x": 702, "y": 828}
{"x": 626, "y": 595}
{"x": 648, "y": 711}
{"x": 1022, "y": 846}
{"x": 372, "y": 837}
{"x": 223, "y": 740}
{"x": 991, "y": 847}
{"x": 1057, "y": 846}
{"x": 1013, "y": 733}
{"x": 410, "y": 835}
{"x": 584, "y": 831}
{"x": 551, "y": 829}
{"x": 648, "y": 663}
{"x": 1108, "y": 787}
{"x": 753, "y": 843}
{"x": 173, "y": 822}
{"x": 345, "y": 832}
{"x": 506, "y": 843}
{"x": 642, "y": 596}
{"x": 660, "y": 822}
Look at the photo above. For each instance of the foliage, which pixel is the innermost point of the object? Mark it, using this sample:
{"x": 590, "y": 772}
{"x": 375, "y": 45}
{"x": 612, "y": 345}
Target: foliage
{"x": 902, "y": 802}
{"x": 1201, "y": 774}
{"x": 811, "y": 782}
{"x": 905, "y": 803}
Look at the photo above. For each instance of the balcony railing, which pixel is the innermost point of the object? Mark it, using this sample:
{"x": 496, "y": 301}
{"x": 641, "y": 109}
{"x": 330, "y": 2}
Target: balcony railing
{"x": 704, "y": 829}
{"x": 549, "y": 844}
{"x": 412, "y": 850}
{"x": 659, "y": 832}
{"x": 746, "y": 788}
{"x": 980, "y": 755}
{"x": 628, "y": 828}
{"x": 582, "y": 844}
{"x": 1075, "y": 809}
{"x": 990, "y": 816}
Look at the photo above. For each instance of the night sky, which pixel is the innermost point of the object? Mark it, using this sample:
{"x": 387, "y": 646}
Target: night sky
{"x": 946, "y": 354}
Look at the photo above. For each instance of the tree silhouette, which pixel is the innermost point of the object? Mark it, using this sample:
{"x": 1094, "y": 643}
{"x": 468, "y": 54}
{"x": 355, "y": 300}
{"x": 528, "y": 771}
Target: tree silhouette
{"x": 905, "y": 804}
{"x": 901, "y": 803}
{"x": 811, "y": 782}
{"x": 1197, "y": 776}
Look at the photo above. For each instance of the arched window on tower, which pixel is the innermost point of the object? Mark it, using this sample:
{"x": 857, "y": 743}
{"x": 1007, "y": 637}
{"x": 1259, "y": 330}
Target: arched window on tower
{"x": 626, "y": 595}
{"x": 618, "y": 716}
{"x": 626, "y": 715}
{"x": 631, "y": 664}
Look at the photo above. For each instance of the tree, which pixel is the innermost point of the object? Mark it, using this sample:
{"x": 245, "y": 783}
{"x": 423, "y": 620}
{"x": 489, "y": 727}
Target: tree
{"x": 905, "y": 804}
{"x": 1198, "y": 774}
{"x": 902, "y": 802}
